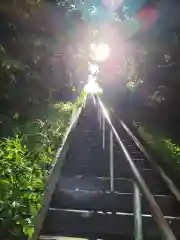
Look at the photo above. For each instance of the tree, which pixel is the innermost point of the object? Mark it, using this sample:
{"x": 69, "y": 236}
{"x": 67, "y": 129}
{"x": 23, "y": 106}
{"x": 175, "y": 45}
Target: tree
{"x": 31, "y": 75}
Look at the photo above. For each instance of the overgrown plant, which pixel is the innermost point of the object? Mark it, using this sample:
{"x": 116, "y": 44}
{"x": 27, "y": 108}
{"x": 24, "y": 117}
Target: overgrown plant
{"x": 25, "y": 161}
{"x": 168, "y": 151}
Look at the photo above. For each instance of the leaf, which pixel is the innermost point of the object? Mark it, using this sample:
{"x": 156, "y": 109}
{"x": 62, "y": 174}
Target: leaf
{"x": 4, "y": 182}
{"x": 73, "y": 89}
{"x": 49, "y": 150}
{"x": 30, "y": 232}
{"x": 16, "y": 116}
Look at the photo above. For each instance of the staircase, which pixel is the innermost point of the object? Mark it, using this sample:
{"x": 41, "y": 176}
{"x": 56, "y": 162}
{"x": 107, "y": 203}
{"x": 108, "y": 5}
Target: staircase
{"x": 96, "y": 196}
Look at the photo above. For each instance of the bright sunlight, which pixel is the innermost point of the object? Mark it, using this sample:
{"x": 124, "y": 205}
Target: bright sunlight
{"x": 100, "y": 52}
{"x": 92, "y": 86}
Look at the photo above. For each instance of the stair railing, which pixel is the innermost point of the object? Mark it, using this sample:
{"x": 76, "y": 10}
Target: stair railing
{"x": 172, "y": 187}
{"x": 139, "y": 183}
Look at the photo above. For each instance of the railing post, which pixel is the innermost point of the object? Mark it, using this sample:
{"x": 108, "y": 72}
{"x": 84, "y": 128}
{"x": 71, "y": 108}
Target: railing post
{"x": 94, "y": 100}
{"x": 111, "y": 162}
{"x": 103, "y": 130}
{"x": 138, "y": 233}
{"x": 100, "y": 116}
{"x": 98, "y": 111}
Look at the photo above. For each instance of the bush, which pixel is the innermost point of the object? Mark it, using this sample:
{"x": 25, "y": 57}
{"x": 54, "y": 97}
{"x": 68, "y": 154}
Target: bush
{"x": 163, "y": 145}
{"x": 25, "y": 161}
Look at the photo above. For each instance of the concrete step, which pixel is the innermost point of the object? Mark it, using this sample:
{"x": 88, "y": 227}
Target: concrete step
{"x": 121, "y": 185}
{"x": 110, "y": 202}
{"x": 92, "y": 201}
{"x": 87, "y": 161}
{"x": 104, "y": 161}
{"x": 84, "y": 149}
{"x": 85, "y": 122}
{"x": 130, "y": 145}
{"x": 80, "y": 182}
{"x": 87, "y": 133}
{"x": 142, "y": 163}
{"x": 85, "y": 237}
{"x": 86, "y": 223}
{"x": 85, "y": 170}
{"x": 93, "y": 153}
{"x": 87, "y": 157}
{"x": 88, "y": 142}
{"x": 134, "y": 154}
{"x": 98, "y": 170}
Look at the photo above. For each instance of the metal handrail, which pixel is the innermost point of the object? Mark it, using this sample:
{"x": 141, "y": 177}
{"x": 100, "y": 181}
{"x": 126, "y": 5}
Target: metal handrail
{"x": 154, "y": 208}
{"x": 172, "y": 187}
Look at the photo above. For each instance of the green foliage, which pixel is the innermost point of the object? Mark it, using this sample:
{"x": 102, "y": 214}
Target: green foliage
{"x": 175, "y": 151}
{"x": 31, "y": 79}
{"x": 81, "y": 99}
{"x": 31, "y": 74}
{"x": 21, "y": 186}
{"x": 167, "y": 150}
{"x": 25, "y": 161}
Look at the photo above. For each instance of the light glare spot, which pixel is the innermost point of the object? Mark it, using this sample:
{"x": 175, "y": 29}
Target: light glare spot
{"x": 100, "y": 52}
{"x": 112, "y": 5}
{"x": 93, "y": 68}
{"x": 92, "y": 87}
